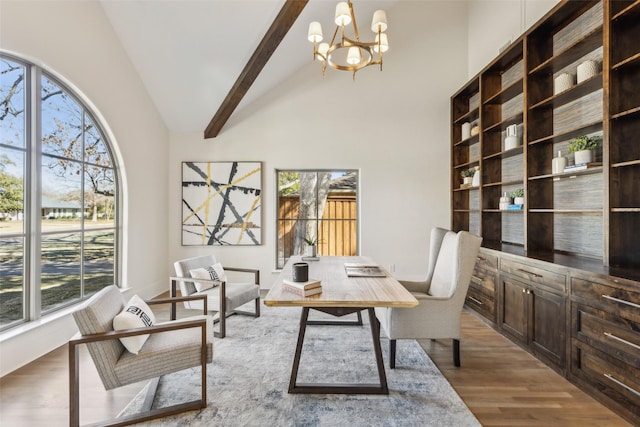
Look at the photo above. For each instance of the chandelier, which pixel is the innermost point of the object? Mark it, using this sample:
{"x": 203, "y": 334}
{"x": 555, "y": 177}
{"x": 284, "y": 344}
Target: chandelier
{"x": 349, "y": 54}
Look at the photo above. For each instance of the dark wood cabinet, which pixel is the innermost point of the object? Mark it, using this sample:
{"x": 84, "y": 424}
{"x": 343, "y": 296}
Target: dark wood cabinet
{"x": 605, "y": 341}
{"x": 481, "y": 295}
{"x": 535, "y": 317}
{"x": 513, "y": 309}
{"x": 575, "y": 240}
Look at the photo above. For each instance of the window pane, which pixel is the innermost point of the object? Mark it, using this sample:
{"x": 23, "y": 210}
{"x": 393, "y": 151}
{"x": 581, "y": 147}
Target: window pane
{"x": 99, "y": 256}
{"x": 99, "y": 196}
{"x": 61, "y": 194}
{"x": 61, "y": 122}
{"x": 95, "y": 150}
{"x": 12, "y": 99}
{"x": 60, "y": 275}
{"x": 316, "y": 206}
{"x": 11, "y": 280}
{"x": 11, "y": 191}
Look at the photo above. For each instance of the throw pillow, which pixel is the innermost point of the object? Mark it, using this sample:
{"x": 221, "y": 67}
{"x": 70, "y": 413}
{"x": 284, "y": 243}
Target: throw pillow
{"x": 136, "y": 314}
{"x": 213, "y": 272}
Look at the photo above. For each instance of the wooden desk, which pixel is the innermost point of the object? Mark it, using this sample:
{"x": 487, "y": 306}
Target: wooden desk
{"x": 341, "y": 295}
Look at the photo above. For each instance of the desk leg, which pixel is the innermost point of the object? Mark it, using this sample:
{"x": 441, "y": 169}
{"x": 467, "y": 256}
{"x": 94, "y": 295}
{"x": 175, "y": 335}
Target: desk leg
{"x": 380, "y": 388}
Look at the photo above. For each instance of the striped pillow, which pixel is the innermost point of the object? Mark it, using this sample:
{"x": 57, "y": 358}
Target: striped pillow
{"x": 213, "y": 272}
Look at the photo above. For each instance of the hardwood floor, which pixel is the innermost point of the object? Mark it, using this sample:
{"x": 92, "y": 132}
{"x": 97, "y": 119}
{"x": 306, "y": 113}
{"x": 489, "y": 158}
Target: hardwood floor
{"x": 504, "y": 385}
{"x": 501, "y": 384}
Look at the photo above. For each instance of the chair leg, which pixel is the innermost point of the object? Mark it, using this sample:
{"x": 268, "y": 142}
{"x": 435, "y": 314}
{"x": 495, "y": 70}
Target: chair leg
{"x": 456, "y": 352}
{"x": 392, "y": 354}
{"x": 257, "y": 307}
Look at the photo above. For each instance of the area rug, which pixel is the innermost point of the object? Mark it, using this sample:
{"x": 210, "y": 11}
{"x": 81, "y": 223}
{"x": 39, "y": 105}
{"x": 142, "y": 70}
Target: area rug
{"x": 248, "y": 379}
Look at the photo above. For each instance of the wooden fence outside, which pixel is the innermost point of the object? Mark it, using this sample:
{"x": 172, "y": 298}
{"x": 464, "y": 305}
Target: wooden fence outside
{"x": 337, "y": 232}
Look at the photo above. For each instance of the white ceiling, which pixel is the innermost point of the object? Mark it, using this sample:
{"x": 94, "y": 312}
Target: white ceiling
{"x": 189, "y": 53}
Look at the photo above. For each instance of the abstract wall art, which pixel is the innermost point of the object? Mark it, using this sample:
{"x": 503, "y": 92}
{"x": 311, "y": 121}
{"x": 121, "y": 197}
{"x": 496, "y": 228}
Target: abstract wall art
{"x": 221, "y": 203}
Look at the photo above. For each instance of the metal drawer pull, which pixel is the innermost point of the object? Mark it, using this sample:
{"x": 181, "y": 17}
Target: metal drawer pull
{"x": 621, "y": 384}
{"x": 475, "y": 300}
{"x": 622, "y": 340}
{"x": 621, "y": 301}
{"x": 529, "y": 272}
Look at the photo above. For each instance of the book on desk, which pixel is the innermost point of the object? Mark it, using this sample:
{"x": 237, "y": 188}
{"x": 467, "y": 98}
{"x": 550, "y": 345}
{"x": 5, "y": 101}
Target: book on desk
{"x": 363, "y": 270}
{"x": 305, "y": 289}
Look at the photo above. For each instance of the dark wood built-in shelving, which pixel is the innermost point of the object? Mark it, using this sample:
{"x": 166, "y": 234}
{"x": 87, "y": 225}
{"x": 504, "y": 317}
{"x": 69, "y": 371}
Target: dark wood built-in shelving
{"x": 543, "y": 270}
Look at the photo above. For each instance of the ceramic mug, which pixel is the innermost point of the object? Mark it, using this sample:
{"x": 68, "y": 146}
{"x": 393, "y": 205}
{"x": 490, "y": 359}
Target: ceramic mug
{"x": 300, "y": 272}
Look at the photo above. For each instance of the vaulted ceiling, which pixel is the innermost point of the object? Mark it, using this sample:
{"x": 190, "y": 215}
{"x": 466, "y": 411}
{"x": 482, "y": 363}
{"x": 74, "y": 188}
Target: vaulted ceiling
{"x": 190, "y": 53}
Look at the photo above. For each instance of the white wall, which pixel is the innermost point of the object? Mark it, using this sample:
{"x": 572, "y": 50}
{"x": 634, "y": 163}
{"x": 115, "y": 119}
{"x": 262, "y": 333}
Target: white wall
{"x": 393, "y": 126}
{"x": 493, "y": 23}
{"x": 74, "y": 40}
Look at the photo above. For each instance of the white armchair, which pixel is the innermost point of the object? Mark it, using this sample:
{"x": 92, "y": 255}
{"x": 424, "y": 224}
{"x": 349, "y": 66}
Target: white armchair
{"x": 170, "y": 347}
{"x": 223, "y": 298}
{"x": 441, "y": 296}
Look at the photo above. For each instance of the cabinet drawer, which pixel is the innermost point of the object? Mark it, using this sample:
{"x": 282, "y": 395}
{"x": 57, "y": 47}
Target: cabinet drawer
{"x": 484, "y": 281}
{"x": 481, "y": 303}
{"x": 607, "y": 333}
{"x": 485, "y": 260}
{"x": 621, "y": 302}
{"x": 534, "y": 274}
{"x": 614, "y": 379}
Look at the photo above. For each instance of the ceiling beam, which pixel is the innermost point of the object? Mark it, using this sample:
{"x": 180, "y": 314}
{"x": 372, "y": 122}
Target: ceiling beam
{"x": 281, "y": 25}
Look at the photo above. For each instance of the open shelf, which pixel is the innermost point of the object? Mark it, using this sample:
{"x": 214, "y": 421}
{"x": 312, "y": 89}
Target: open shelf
{"x": 468, "y": 117}
{"x": 577, "y": 50}
{"x": 502, "y": 125}
{"x": 569, "y": 174}
{"x": 469, "y": 141}
{"x": 505, "y": 154}
{"x": 630, "y": 112}
{"x": 577, "y": 91}
{"x": 572, "y": 133}
{"x": 631, "y": 61}
{"x": 507, "y": 94}
{"x": 632, "y": 11}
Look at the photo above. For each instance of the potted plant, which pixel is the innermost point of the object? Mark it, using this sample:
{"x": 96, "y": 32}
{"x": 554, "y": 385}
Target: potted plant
{"x": 467, "y": 176}
{"x": 518, "y": 196}
{"x": 312, "y": 246}
{"x": 583, "y": 148}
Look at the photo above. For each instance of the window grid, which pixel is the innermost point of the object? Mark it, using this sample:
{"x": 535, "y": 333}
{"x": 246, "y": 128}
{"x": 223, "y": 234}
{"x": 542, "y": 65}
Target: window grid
{"x": 97, "y": 255}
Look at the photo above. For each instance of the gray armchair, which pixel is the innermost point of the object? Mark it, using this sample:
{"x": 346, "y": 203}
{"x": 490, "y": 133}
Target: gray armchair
{"x": 440, "y": 297}
{"x": 223, "y": 298}
{"x": 171, "y": 346}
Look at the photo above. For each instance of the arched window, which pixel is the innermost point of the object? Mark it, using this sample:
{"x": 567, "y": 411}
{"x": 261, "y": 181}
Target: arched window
{"x": 59, "y": 199}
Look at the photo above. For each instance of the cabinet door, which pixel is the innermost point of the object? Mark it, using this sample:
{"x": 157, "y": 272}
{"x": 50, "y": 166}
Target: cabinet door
{"x": 547, "y": 333}
{"x": 513, "y": 315}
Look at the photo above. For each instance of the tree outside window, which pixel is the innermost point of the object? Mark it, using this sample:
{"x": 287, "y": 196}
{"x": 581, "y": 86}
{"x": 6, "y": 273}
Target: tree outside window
{"x": 73, "y": 225}
{"x": 316, "y": 206}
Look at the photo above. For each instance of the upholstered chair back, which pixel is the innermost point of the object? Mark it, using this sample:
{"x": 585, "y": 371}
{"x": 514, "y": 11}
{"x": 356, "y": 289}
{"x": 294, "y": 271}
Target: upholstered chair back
{"x": 184, "y": 266}
{"x": 95, "y": 317}
{"x": 454, "y": 266}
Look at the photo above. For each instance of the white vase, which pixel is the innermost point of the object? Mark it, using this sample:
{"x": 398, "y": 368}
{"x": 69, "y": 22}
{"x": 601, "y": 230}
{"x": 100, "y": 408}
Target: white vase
{"x": 475, "y": 181}
{"x": 466, "y": 131}
{"x": 311, "y": 250}
{"x": 511, "y": 140}
{"x": 586, "y": 70}
{"x": 467, "y": 180}
{"x": 584, "y": 156}
{"x": 563, "y": 82}
{"x": 558, "y": 163}
{"x": 518, "y": 200}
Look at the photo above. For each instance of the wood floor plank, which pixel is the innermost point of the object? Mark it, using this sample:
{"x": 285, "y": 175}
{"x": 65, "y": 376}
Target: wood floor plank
{"x": 501, "y": 384}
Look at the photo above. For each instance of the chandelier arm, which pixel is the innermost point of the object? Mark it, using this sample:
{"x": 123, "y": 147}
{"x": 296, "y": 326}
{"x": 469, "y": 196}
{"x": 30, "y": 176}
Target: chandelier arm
{"x": 353, "y": 19}
{"x": 335, "y": 33}
{"x": 365, "y": 45}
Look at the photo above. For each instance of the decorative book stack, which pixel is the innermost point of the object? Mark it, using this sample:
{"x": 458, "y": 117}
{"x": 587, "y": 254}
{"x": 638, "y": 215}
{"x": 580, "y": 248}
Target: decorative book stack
{"x": 581, "y": 166}
{"x": 305, "y": 289}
